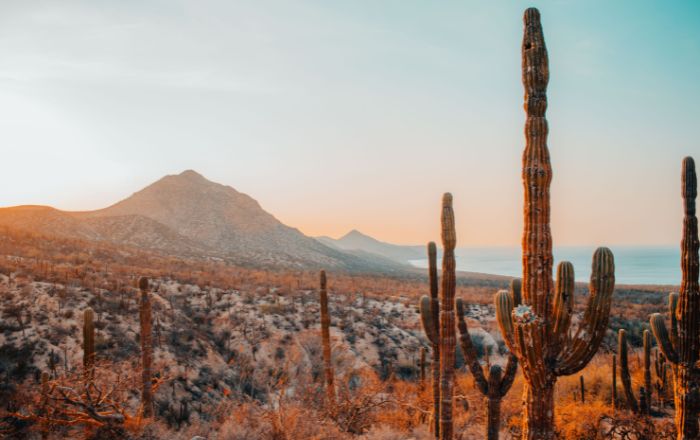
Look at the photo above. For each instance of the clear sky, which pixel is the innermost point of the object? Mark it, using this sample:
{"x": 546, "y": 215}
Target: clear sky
{"x": 357, "y": 114}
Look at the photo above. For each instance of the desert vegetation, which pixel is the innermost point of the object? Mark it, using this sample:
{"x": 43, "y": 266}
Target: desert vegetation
{"x": 107, "y": 341}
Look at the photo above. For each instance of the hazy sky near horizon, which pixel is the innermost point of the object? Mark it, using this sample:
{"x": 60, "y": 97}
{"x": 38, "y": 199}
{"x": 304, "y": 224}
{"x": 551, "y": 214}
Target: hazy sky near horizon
{"x": 340, "y": 115}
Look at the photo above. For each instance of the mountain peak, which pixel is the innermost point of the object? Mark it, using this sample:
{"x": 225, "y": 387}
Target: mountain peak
{"x": 354, "y": 234}
{"x": 190, "y": 175}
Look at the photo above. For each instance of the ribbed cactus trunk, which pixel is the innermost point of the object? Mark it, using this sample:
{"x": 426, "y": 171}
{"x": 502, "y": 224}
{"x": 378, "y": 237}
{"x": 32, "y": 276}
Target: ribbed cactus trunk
{"x": 496, "y": 385}
{"x": 682, "y": 349}
{"x": 447, "y": 319}
{"x": 625, "y": 371}
{"x": 146, "y": 349}
{"x": 537, "y": 331}
{"x": 613, "y": 392}
{"x": 646, "y": 407}
{"x": 88, "y": 345}
{"x": 430, "y": 318}
{"x": 326, "y": 341}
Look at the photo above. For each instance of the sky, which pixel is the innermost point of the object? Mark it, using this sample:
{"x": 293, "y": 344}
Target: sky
{"x": 358, "y": 114}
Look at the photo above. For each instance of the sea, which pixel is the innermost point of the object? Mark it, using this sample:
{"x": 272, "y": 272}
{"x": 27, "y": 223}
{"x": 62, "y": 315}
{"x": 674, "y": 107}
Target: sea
{"x": 657, "y": 265}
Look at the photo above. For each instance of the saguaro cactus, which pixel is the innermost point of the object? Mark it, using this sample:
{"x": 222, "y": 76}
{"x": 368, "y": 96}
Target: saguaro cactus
{"x": 88, "y": 344}
{"x": 682, "y": 348}
{"x": 146, "y": 349}
{"x": 495, "y": 386}
{"x": 537, "y": 331}
{"x": 430, "y": 318}
{"x": 661, "y": 376}
{"x": 448, "y": 340}
{"x": 644, "y": 404}
{"x": 326, "y": 340}
{"x": 613, "y": 392}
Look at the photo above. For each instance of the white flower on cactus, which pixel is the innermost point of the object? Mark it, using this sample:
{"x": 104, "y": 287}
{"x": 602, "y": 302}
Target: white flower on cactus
{"x": 523, "y": 314}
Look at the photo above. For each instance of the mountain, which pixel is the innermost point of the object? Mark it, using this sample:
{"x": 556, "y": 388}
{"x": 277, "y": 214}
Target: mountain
{"x": 356, "y": 241}
{"x": 188, "y": 214}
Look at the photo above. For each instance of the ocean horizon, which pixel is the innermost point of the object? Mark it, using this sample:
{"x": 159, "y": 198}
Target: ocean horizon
{"x": 633, "y": 264}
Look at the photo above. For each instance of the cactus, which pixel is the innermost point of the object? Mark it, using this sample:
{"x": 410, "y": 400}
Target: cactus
{"x": 440, "y": 329}
{"x": 661, "y": 376}
{"x": 583, "y": 389}
{"x": 146, "y": 349}
{"x": 682, "y": 348}
{"x": 614, "y": 383}
{"x": 644, "y": 404}
{"x": 537, "y": 331}
{"x": 88, "y": 344}
{"x": 430, "y": 318}
{"x": 326, "y": 340}
{"x": 495, "y": 386}
{"x": 448, "y": 340}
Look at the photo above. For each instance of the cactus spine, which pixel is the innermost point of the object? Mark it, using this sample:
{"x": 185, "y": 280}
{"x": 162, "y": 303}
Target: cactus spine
{"x": 146, "y": 349}
{"x": 326, "y": 340}
{"x": 537, "y": 331}
{"x": 495, "y": 386}
{"x": 682, "y": 348}
{"x": 88, "y": 344}
{"x": 430, "y": 318}
{"x": 644, "y": 404}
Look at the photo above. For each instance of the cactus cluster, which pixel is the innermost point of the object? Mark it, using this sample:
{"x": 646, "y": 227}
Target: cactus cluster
{"x": 438, "y": 318}
{"x": 682, "y": 348}
{"x": 643, "y": 405}
{"x": 538, "y": 330}
{"x": 494, "y": 386}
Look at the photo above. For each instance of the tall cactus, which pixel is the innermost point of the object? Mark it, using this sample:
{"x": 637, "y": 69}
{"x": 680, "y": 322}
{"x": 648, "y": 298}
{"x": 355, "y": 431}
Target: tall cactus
{"x": 146, "y": 349}
{"x": 643, "y": 406}
{"x": 448, "y": 340}
{"x": 495, "y": 386}
{"x": 430, "y": 318}
{"x": 682, "y": 348}
{"x": 537, "y": 331}
{"x": 88, "y": 344}
{"x": 440, "y": 328}
{"x": 326, "y": 340}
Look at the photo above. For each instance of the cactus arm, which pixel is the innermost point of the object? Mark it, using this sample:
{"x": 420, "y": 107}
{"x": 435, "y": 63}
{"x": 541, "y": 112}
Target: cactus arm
{"x": 672, "y": 306}
{"x": 433, "y": 277}
{"x": 530, "y": 345}
{"x": 658, "y": 327}
{"x": 504, "y": 310}
{"x": 509, "y": 375}
{"x": 470, "y": 356}
{"x": 580, "y": 349}
{"x": 563, "y": 305}
{"x": 426, "y": 317}
{"x": 624, "y": 370}
{"x": 516, "y": 287}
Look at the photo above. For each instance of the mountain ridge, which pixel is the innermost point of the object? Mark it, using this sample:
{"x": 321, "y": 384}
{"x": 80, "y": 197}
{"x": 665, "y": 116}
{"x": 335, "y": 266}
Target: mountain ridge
{"x": 186, "y": 213}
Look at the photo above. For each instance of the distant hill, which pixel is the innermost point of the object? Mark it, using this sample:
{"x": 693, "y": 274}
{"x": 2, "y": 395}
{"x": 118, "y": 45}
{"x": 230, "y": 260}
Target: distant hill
{"x": 357, "y": 241}
{"x": 188, "y": 214}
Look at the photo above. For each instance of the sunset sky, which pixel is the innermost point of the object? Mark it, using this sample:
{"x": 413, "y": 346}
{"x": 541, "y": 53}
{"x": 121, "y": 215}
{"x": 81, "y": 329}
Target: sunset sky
{"x": 358, "y": 114}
